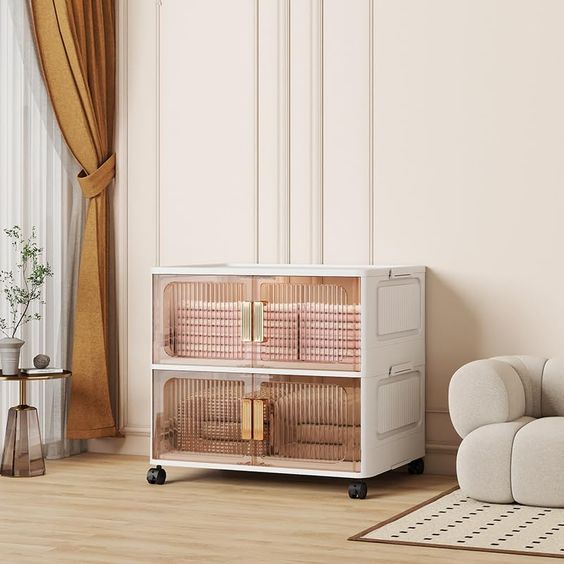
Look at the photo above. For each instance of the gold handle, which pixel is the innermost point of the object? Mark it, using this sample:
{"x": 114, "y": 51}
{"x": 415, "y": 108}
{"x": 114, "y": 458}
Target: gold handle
{"x": 258, "y": 420}
{"x": 258, "y": 322}
{"x": 246, "y": 419}
{"x": 246, "y": 326}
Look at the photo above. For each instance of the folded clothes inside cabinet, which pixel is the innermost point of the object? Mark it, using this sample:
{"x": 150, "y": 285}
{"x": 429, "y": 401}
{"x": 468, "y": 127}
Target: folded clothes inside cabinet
{"x": 314, "y": 421}
{"x": 314, "y": 332}
{"x": 301, "y": 420}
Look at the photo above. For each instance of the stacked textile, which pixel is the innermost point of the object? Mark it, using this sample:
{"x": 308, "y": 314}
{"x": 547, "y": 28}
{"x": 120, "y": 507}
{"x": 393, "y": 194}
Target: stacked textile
{"x": 207, "y": 329}
{"x": 311, "y": 332}
{"x": 329, "y": 333}
{"x": 314, "y": 421}
{"x": 304, "y": 421}
{"x": 281, "y": 323}
{"x": 208, "y": 417}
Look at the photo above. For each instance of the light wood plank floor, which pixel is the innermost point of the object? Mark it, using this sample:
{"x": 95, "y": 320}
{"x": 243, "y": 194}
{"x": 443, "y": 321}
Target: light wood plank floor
{"x": 99, "y": 508}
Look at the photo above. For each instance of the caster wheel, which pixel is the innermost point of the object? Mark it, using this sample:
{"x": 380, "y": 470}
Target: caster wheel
{"x": 358, "y": 490}
{"x": 416, "y": 466}
{"x": 156, "y": 475}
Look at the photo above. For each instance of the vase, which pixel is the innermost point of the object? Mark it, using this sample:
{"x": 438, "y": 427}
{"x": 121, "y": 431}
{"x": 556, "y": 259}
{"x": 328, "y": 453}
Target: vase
{"x": 10, "y": 355}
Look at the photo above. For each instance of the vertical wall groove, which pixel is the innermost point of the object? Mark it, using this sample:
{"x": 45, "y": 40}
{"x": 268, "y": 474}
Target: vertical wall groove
{"x": 321, "y": 203}
{"x": 158, "y": 5}
{"x": 371, "y": 133}
{"x": 284, "y": 69}
{"x": 288, "y": 258}
{"x": 257, "y": 134}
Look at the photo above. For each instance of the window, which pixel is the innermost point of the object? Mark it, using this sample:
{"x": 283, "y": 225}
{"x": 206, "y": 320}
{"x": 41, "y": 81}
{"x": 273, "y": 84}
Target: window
{"x": 37, "y": 188}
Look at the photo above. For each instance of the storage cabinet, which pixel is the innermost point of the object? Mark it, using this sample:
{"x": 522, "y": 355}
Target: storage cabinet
{"x": 298, "y": 369}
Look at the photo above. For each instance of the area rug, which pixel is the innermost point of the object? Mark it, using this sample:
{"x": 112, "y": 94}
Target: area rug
{"x": 452, "y": 520}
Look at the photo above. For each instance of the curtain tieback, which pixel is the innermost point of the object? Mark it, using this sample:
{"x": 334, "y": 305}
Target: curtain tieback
{"x": 94, "y": 184}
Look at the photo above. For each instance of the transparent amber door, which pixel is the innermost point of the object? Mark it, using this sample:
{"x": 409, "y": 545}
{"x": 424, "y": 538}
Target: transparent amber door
{"x": 311, "y": 423}
{"x": 202, "y": 320}
{"x": 202, "y": 417}
{"x": 307, "y": 322}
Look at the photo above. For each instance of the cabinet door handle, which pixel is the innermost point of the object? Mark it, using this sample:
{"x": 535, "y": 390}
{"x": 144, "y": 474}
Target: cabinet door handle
{"x": 258, "y": 322}
{"x": 246, "y": 419}
{"x": 246, "y": 323}
{"x": 400, "y": 368}
{"x": 258, "y": 420}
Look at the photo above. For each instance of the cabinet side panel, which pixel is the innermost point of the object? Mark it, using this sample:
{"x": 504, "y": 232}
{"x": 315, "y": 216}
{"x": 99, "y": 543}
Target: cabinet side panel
{"x": 393, "y": 322}
{"x": 392, "y": 421}
{"x": 399, "y": 308}
{"x": 399, "y": 403}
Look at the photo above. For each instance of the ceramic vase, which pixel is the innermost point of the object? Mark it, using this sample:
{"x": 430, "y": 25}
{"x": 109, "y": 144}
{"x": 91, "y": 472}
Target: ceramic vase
{"x": 10, "y": 355}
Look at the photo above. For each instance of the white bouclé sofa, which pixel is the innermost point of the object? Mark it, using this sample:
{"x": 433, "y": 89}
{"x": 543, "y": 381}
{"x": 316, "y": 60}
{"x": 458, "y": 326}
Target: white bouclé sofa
{"x": 509, "y": 412}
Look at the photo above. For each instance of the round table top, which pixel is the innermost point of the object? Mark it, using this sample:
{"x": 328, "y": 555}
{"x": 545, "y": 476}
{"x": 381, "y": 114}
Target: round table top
{"x": 41, "y": 376}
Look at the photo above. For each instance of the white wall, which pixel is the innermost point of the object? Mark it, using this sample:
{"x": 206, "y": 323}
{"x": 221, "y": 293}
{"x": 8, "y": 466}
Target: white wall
{"x": 402, "y": 131}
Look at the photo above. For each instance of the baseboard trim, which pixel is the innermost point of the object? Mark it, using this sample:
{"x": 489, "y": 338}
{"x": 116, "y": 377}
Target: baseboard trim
{"x": 441, "y": 448}
{"x": 134, "y": 444}
{"x": 443, "y": 464}
{"x": 439, "y": 459}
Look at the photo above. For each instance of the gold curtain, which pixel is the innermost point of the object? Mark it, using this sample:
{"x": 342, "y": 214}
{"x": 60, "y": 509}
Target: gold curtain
{"x": 75, "y": 42}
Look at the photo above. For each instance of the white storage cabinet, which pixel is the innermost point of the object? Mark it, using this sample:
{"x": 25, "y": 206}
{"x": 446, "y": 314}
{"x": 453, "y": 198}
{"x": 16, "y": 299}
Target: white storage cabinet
{"x": 292, "y": 369}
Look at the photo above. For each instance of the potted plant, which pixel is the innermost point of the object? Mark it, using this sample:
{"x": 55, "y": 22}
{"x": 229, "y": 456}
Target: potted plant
{"x": 22, "y": 289}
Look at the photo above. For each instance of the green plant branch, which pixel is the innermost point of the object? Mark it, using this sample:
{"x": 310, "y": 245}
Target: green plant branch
{"x": 20, "y": 297}
{"x": 20, "y": 319}
{"x": 16, "y": 325}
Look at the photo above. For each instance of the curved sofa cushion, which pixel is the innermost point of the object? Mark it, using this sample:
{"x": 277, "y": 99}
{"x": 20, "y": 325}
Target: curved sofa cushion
{"x": 537, "y": 462}
{"x": 484, "y": 392}
{"x": 483, "y": 463}
{"x": 553, "y": 388}
{"x": 530, "y": 370}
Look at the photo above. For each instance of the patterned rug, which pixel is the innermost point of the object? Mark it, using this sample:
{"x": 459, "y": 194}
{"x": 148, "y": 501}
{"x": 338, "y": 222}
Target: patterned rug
{"x": 452, "y": 520}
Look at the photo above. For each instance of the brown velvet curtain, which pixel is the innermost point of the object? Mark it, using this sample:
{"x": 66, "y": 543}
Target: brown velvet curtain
{"x": 75, "y": 41}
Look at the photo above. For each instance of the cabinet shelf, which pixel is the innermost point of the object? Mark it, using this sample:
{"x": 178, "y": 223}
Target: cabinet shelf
{"x": 257, "y": 370}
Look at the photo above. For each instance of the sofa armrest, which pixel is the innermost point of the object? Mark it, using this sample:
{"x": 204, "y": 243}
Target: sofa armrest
{"x": 484, "y": 392}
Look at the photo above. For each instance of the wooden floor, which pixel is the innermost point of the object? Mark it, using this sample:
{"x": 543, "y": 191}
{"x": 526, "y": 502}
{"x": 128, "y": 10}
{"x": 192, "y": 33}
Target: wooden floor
{"x": 99, "y": 508}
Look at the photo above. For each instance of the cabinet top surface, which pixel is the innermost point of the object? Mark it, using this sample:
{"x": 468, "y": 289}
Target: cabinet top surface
{"x": 291, "y": 269}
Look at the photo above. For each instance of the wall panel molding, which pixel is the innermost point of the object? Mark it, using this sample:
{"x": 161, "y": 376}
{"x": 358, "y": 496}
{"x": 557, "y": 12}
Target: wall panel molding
{"x": 346, "y": 131}
{"x": 371, "y": 126}
{"x": 306, "y": 134}
{"x": 273, "y": 132}
{"x": 284, "y": 124}
{"x": 256, "y": 61}
{"x": 157, "y": 84}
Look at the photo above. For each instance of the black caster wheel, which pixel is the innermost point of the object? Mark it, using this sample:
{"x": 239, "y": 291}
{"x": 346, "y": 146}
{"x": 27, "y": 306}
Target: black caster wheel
{"x": 358, "y": 490}
{"x": 156, "y": 475}
{"x": 416, "y": 466}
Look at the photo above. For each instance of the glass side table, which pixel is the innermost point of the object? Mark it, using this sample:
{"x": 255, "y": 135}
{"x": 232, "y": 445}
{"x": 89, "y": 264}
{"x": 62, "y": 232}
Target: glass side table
{"x": 23, "y": 450}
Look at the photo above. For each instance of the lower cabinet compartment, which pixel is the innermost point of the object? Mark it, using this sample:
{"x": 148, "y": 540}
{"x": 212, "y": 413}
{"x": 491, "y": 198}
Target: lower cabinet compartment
{"x": 263, "y": 420}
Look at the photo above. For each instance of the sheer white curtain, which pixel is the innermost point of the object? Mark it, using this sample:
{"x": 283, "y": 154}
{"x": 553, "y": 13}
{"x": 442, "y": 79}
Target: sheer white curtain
{"x": 38, "y": 188}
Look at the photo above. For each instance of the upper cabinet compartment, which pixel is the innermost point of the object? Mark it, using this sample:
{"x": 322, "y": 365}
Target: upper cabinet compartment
{"x": 310, "y": 322}
{"x": 288, "y": 317}
{"x": 278, "y": 321}
{"x": 202, "y": 320}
